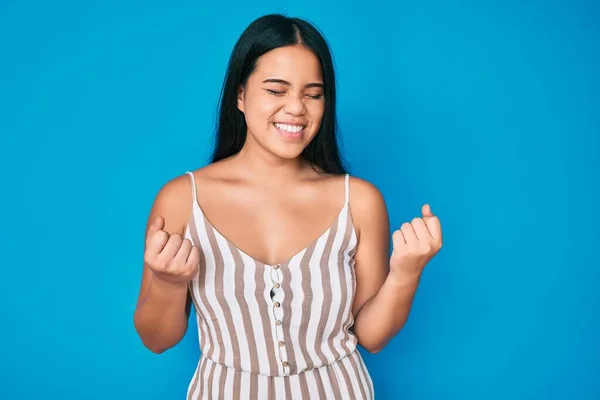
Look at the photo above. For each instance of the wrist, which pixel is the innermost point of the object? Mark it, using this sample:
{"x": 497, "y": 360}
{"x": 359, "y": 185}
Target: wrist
{"x": 403, "y": 277}
{"x": 167, "y": 286}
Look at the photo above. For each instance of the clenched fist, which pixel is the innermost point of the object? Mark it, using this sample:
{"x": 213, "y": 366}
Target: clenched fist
{"x": 416, "y": 243}
{"x": 169, "y": 256}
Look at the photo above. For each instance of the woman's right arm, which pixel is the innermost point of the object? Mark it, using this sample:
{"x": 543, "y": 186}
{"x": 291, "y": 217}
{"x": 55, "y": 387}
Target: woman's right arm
{"x": 163, "y": 306}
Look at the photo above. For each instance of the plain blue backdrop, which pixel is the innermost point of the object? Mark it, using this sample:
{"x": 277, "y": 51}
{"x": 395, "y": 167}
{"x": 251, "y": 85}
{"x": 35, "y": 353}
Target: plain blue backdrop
{"x": 489, "y": 111}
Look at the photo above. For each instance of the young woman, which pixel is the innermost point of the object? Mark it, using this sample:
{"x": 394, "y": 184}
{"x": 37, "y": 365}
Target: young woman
{"x": 283, "y": 255}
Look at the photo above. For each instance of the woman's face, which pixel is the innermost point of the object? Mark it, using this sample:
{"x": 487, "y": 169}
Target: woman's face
{"x": 283, "y": 101}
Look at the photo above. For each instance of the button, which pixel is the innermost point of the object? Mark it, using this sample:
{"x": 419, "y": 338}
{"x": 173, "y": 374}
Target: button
{"x": 277, "y": 285}
{"x": 285, "y": 363}
{"x": 278, "y": 322}
{"x": 281, "y": 343}
{"x": 276, "y": 266}
{"x": 277, "y": 304}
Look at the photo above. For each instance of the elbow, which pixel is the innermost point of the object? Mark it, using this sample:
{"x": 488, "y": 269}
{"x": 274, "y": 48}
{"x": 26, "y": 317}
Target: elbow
{"x": 373, "y": 349}
{"x": 154, "y": 345}
{"x": 156, "y": 341}
{"x": 156, "y": 349}
{"x": 369, "y": 345}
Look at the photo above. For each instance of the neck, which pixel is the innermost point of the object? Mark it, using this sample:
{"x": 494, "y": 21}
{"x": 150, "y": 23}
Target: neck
{"x": 264, "y": 166}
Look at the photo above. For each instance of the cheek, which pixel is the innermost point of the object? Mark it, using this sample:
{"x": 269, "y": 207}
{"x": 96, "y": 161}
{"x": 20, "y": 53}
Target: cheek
{"x": 316, "y": 111}
{"x": 260, "y": 110}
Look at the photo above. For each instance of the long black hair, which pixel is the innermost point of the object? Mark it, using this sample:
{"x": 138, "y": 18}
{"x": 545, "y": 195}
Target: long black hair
{"x": 262, "y": 35}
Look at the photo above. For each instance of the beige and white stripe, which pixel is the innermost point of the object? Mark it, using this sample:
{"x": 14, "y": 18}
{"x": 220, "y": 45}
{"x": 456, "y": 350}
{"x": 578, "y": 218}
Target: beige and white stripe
{"x": 297, "y": 344}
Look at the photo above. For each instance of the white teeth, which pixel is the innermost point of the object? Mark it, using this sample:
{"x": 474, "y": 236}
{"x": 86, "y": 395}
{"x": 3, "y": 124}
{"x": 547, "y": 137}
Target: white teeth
{"x": 290, "y": 128}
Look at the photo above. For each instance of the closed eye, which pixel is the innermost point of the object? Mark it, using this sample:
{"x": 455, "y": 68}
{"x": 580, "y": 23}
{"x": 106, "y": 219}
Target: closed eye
{"x": 274, "y": 92}
{"x": 278, "y": 93}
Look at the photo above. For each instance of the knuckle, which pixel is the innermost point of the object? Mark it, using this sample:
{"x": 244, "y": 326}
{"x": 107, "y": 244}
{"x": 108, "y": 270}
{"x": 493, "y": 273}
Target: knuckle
{"x": 192, "y": 269}
{"x": 192, "y": 266}
{"x": 175, "y": 238}
{"x": 162, "y": 235}
{"x": 156, "y": 239}
{"x": 160, "y": 263}
{"x": 176, "y": 263}
{"x": 160, "y": 240}
{"x": 426, "y": 248}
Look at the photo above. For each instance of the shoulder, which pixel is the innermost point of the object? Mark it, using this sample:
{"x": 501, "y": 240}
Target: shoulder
{"x": 364, "y": 195}
{"x": 367, "y": 204}
{"x": 177, "y": 191}
{"x": 173, "y": 202}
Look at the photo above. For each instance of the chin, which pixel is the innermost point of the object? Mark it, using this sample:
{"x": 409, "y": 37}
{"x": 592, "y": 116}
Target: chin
{"x": 289, "y": 153}
{"x": 289, "y": 146}
{"x": 284, "y": 146}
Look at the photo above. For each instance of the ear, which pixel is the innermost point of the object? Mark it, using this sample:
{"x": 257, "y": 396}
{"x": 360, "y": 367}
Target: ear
{"x": 240, "y": 99}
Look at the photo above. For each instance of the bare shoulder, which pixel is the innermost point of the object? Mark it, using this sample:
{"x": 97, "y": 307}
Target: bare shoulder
{"x": 365, "y": 197}
{"x": 367, "y": 204}
{"x": 177, "y": 190}
{"x": 173, "y": 202}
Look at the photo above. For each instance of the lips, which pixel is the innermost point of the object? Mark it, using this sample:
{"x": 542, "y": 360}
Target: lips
{"x": 291, "y": 128}
{"x": 290, "y": 131}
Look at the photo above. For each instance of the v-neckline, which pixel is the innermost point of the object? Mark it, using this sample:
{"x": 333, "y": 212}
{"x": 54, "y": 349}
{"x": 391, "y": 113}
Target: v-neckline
{"x": 279, "y": 263}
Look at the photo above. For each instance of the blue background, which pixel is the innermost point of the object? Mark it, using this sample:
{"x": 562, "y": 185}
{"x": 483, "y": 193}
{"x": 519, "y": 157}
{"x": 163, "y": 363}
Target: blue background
{"x": 489, "y": 111}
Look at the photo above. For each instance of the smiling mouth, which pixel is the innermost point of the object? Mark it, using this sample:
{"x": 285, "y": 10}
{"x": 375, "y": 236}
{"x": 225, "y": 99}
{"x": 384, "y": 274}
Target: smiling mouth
{"x": 290, "y": 131}
{"x": 289, "y": 128}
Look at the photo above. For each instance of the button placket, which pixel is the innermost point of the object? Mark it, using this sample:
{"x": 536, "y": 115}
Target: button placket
{"x": 276, "y": 296}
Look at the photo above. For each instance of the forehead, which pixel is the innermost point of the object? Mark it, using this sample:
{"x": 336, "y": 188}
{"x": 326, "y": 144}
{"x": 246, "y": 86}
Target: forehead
{"x": 295, "y": 64}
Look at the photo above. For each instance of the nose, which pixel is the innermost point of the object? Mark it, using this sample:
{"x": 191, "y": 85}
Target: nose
{"x": 293, "y": 106}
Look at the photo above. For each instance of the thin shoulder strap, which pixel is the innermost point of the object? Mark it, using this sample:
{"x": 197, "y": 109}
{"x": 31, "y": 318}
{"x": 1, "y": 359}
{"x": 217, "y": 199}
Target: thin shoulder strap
{"x": 193, "y": 185}
{"x": 347, "y": 190}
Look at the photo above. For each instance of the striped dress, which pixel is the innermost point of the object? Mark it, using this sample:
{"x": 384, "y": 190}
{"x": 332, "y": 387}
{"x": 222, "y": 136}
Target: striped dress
{"x": 276, "y": 331}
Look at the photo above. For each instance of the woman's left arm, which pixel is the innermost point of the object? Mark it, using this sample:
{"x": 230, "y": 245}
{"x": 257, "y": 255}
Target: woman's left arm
{"x": 385, "y": 287}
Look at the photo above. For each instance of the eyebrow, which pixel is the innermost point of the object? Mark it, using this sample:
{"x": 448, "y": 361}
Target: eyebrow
{"x": 283, "y": 82}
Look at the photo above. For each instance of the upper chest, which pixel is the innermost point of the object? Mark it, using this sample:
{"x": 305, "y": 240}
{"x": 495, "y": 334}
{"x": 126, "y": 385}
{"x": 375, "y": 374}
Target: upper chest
{"x": 272, "y": 225}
